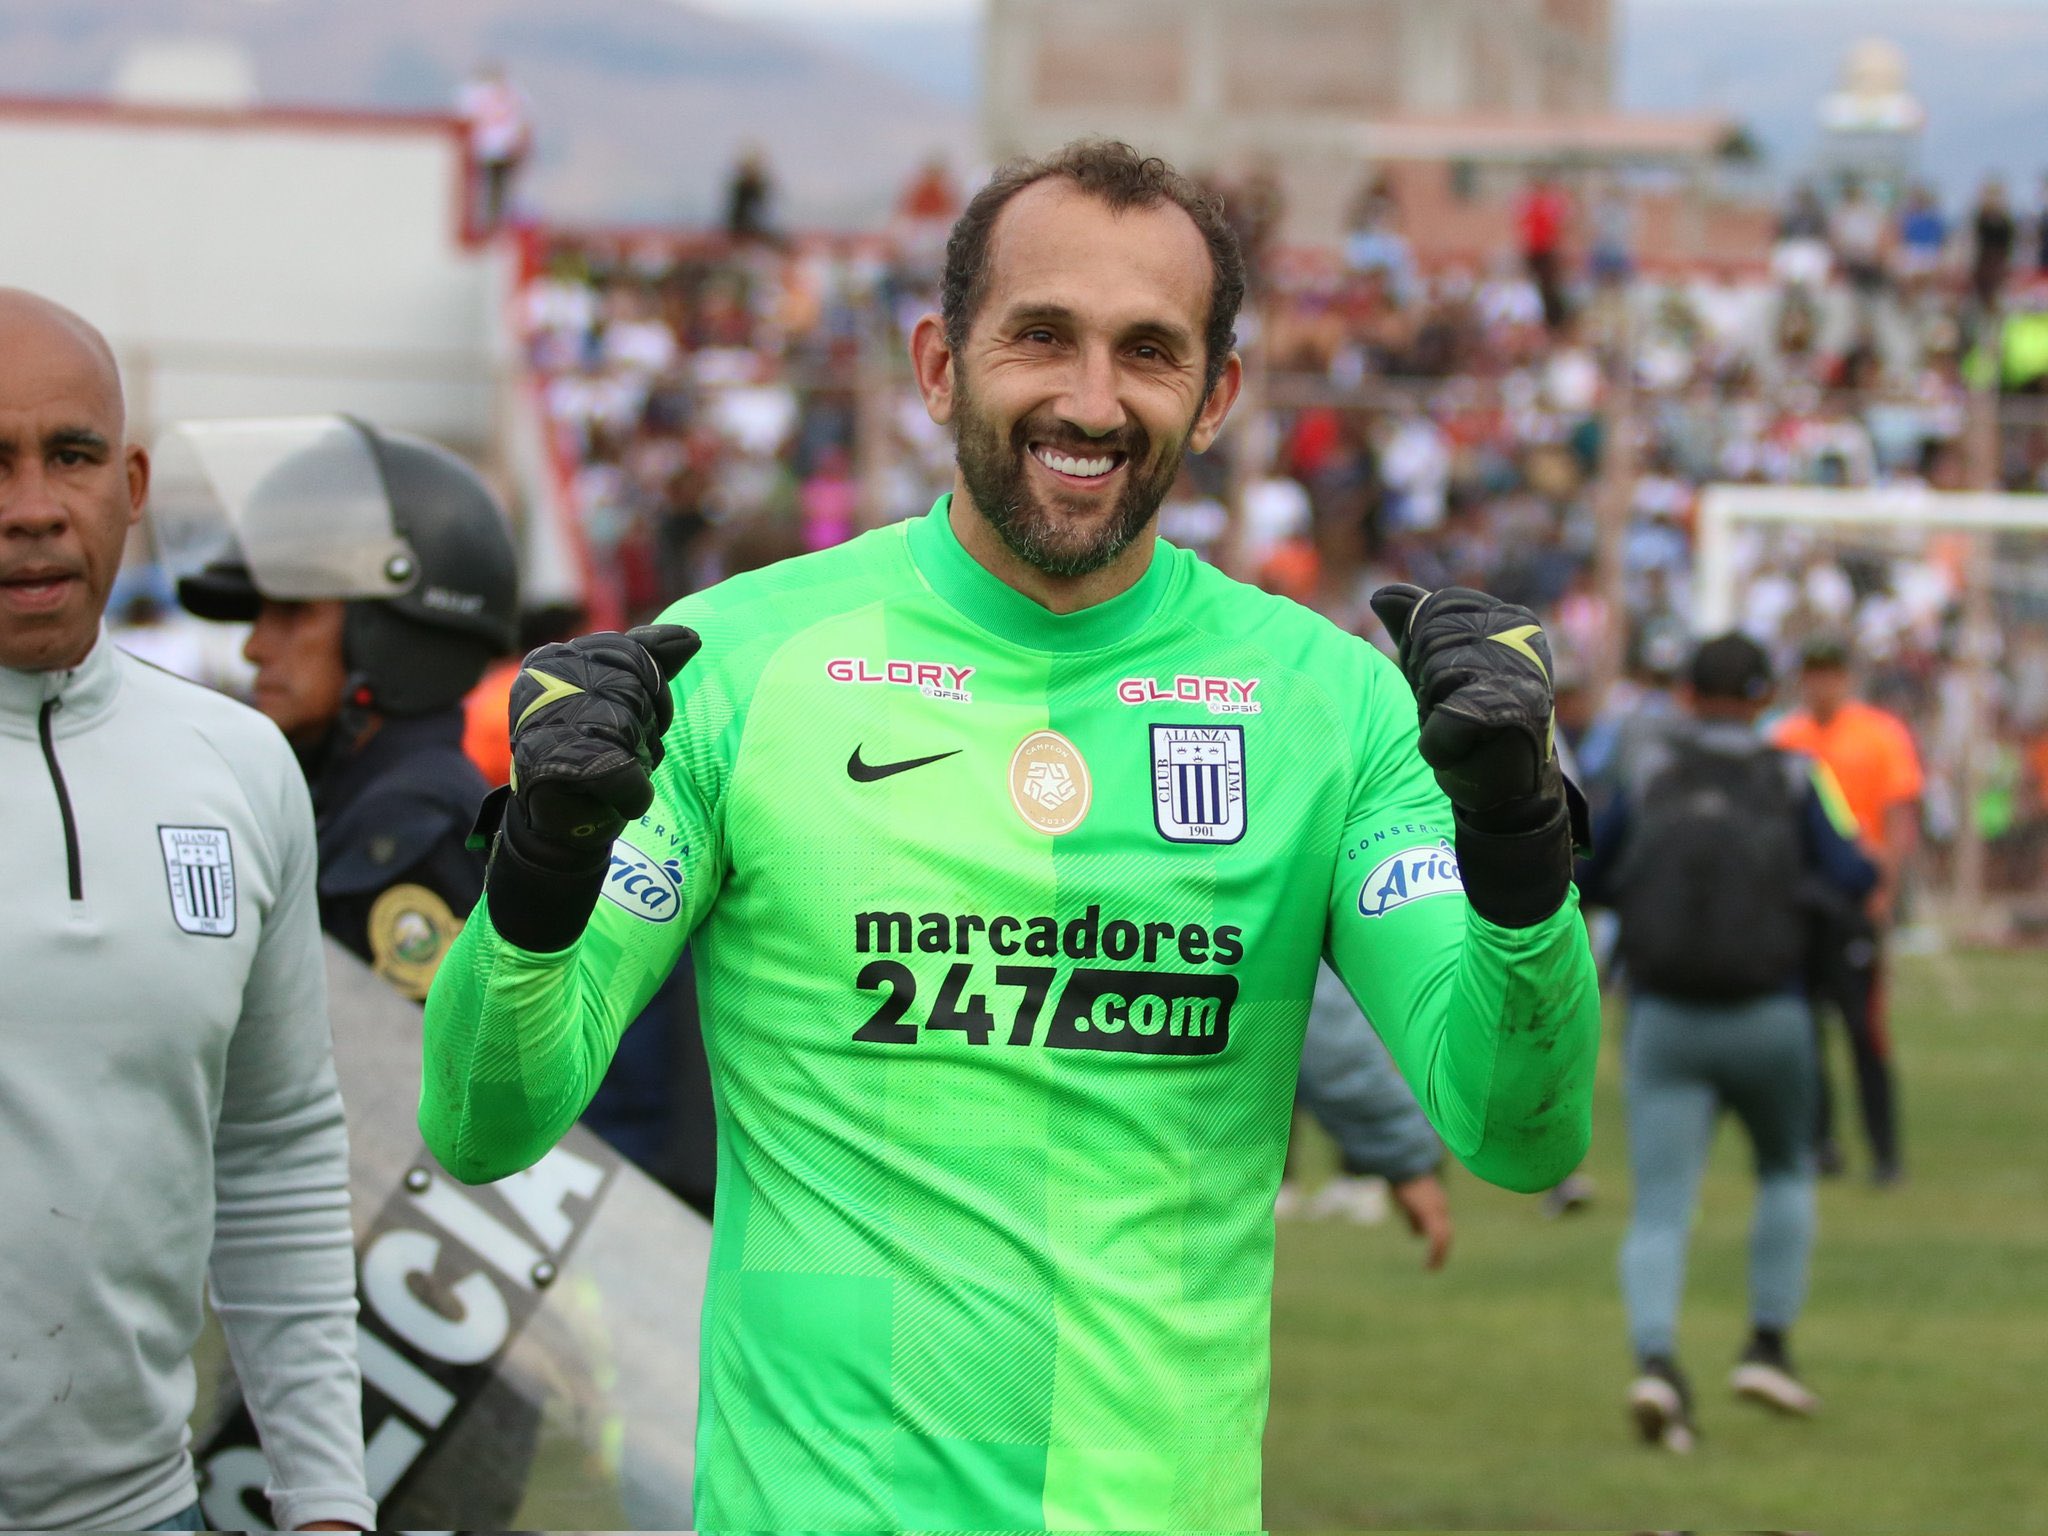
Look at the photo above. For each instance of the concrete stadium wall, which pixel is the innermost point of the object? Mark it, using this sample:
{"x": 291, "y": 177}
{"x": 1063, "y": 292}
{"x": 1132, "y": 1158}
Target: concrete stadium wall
{"x": 266, "y": 262}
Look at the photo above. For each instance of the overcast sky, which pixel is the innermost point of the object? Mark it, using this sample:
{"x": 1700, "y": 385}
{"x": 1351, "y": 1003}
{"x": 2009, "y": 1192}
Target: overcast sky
{"x": 777, "y": 10}
{"x": 885, "y": 10}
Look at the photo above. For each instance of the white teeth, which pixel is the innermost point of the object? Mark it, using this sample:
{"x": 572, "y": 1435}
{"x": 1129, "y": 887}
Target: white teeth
{"x": 1086, "y": 469}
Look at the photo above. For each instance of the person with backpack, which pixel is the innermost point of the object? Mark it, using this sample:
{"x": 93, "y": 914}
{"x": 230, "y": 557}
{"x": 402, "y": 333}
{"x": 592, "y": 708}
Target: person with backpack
{"x": 1726, "y": 860}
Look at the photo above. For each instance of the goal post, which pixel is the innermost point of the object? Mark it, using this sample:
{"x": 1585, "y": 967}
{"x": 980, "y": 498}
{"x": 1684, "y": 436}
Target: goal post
{"x": 1984, "y": 717}
{"x": 1724, "y": 509}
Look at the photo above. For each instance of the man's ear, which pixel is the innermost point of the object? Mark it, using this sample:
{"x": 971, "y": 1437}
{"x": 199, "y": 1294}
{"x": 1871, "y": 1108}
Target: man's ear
{"x": 1209, "y": 421}
{"x": 138, "y": 482}
{"x": 931, "y": 359}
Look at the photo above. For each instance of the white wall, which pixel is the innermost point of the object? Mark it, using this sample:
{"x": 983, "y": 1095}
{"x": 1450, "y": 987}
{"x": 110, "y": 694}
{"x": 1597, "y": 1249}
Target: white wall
{"x": 262, "y": 264}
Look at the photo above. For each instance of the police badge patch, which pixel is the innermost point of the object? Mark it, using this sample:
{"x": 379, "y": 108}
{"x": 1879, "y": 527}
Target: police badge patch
{"x": 410, "y": 929}
{"x": 199, "y": 863}
{"x": 1198, "y": 783}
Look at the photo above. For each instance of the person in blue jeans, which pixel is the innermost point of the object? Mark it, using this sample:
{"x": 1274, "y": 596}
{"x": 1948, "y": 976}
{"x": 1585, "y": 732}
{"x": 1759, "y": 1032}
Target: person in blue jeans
{"x": 1726, "y": 860}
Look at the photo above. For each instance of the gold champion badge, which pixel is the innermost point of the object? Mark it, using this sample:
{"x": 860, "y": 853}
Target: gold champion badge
{"x": 410, "y": 930}
{"x": 1049, "y": 782}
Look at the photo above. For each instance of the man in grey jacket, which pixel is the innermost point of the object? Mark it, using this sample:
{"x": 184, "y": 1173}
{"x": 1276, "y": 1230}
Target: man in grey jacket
{"x": 168, "y": 1107}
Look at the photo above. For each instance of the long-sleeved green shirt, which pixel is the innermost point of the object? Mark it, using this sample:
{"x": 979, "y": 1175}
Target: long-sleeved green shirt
{"x": 1006, "y": 925}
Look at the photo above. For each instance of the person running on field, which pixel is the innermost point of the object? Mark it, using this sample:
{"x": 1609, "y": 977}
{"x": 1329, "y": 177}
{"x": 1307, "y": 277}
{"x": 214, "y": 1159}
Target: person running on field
{"x": 1871, "y": 754}
{"x": 1713, "y": 854}
{"x": 1008, "y": 840}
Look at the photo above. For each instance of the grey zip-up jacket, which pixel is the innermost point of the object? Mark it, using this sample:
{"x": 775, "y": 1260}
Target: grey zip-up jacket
{"x": 167, "y": 1101}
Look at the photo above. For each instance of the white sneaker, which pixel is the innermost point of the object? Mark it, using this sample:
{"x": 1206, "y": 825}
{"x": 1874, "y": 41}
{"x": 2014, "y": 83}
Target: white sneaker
{"x": 1660, "y": 1415}
{"x": 1774, "y": 1387}
{"x": 1360, "y": 1198}
{"x": 1289, "y": 1202}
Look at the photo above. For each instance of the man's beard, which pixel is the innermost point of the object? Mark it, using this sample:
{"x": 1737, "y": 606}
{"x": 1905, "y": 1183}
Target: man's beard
{"x": 998, "y": 480}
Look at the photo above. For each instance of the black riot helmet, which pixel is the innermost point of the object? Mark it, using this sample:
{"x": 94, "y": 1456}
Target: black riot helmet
{"x": 301, "y": 509}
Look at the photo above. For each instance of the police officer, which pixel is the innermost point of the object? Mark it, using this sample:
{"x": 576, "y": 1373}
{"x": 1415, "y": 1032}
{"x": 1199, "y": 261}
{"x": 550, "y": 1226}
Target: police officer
{"x": 380, "y": 578}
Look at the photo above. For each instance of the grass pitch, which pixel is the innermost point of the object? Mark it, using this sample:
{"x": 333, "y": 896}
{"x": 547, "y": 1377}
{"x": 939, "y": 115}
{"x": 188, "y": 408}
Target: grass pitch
{"x": 1490, "y": 1396}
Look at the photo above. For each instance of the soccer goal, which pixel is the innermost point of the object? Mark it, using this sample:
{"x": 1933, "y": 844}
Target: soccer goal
{"x": 1944, "y": 598}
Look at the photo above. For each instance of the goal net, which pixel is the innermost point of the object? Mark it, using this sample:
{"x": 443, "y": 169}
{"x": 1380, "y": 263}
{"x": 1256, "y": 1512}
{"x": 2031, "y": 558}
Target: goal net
{"x": 1943, "y": 597}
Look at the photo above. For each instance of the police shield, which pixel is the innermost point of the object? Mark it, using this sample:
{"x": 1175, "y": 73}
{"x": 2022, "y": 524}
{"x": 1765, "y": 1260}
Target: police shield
{"x": 528, "y": 1348}
{"x": 297, "y": 501}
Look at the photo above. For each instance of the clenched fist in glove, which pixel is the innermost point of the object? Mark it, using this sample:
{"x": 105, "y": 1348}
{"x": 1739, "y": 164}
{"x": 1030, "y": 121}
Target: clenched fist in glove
{"x": 1481, "y": 671}
{"x": 587, "y": 720}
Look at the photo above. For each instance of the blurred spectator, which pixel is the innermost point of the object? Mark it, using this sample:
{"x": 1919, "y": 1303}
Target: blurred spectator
{"x": 1374, "y": 244}
{"x": 1583, "y": 629}
{"x": 1856, "y": 235}
{"x": 750, "y": 199}
{"x": 1541, "y": 214}
{"x": 1254, "y": 207}
{"x": 829, "y": 500}
{"x": 1415, "y": 468}
{"x": 1275, "y": 547}
{"x": 2041, "y": 229}
{"x": 1613, "y": 222}
{"x": 500, "y": 137}
{"x": 1638, "y": 708}
{"x": 1993, "y": 233}
{"x": 1874, "y": 761}
{"x": 1801, "y": 257}
{"x": 924, "y": 218}
{"x": 1192, "y": 519}
{"x": 1923, "y": 234}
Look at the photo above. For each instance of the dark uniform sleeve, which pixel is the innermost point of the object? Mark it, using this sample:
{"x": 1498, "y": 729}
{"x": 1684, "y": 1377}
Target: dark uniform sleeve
{"x": 396, "y": 876}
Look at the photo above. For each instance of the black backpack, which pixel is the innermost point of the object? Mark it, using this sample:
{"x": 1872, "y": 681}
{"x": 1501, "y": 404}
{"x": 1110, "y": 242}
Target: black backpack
{"x": 1712, "y": 885}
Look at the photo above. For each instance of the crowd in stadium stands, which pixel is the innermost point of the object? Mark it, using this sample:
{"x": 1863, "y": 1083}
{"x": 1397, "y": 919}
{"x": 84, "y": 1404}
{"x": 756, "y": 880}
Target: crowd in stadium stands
{"x": 731, "y": 399}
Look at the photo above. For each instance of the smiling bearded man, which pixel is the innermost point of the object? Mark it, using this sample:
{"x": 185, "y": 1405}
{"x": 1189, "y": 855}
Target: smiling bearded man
{"x": 1004, "y": 977}
{"x": 992, "y": 467}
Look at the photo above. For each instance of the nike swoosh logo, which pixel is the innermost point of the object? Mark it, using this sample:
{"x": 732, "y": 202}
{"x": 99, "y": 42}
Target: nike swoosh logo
{"x": 867, "y": 773}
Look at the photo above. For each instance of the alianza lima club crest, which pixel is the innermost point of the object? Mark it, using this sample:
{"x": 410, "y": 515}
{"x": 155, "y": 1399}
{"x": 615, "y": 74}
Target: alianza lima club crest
{"x": 1198, "y": 783}
{"x": 199, "y": 864}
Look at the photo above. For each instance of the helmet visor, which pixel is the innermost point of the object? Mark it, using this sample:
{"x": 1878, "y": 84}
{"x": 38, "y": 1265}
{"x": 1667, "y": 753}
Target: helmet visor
{"x": 296, "y": 501}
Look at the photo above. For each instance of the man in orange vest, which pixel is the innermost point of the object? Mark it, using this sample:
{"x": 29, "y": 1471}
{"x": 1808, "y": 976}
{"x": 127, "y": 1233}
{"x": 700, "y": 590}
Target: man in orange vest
{"x": 1872, "y": 756}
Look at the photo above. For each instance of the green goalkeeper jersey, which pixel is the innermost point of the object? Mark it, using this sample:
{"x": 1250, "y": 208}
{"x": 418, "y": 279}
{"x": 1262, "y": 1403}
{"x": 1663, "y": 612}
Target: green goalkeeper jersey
{"x": 1006, "y": 925}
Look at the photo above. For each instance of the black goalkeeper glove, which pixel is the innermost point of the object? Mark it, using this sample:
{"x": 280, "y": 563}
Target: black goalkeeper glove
{"x": 587, "y": 721}
{"x": 1481, "y": 671}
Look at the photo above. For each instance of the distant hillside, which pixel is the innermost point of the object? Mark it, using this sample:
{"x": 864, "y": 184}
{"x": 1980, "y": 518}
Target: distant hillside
{"x": 641, "y": 105}
{"x": 941, "y": 57}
